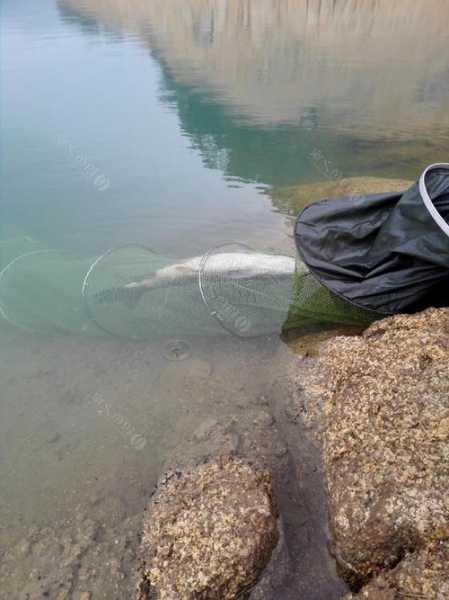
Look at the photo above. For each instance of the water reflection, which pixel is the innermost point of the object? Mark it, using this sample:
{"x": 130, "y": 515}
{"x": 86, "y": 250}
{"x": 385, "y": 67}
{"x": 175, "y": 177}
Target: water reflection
{"x": 259, "y": 85}
{"x": 379, "y": 67}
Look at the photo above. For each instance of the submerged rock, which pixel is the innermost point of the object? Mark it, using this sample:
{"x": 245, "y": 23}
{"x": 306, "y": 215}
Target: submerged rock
{"x": 294, "y": 198}
{"x": 208, "y": 532}
{"x": 386, "y": 445}
{"x": 421, "y": 575}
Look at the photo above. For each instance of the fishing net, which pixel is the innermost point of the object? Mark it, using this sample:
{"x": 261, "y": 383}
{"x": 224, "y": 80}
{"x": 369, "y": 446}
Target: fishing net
{"x": 134, "y": 293}
{"x": 117, "y": 304}
{"x": 247, "y": 293}
{"x": 389, "y": 252}
{"x": 277, "y": 294}
{"x": 314, "y": 307}
{"x": 361, "y": 258}
{"x": 40, "y": 288}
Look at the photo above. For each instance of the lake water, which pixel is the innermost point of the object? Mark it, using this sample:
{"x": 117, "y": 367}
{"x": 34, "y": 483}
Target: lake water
{"x": 171, "y": 124}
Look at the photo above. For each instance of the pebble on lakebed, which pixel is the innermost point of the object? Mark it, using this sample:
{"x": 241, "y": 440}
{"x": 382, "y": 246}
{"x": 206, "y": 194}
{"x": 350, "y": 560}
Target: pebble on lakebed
{"x": 386, "y": 444}
{"x": 208, "y": 532}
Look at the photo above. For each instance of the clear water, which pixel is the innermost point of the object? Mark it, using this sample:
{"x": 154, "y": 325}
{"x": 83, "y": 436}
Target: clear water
{"x": 173, "y": 124}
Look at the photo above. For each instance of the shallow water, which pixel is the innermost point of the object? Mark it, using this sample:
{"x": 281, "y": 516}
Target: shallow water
{"x": 170, "y": 124}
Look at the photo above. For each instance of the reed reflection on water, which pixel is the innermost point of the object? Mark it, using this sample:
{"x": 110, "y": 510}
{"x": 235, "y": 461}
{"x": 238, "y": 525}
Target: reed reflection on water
{"x": 373, "y": 69}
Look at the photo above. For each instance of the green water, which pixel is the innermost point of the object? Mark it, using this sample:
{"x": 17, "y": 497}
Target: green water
{"x": 182, "y": 140}
{"x": 172, "y": 124}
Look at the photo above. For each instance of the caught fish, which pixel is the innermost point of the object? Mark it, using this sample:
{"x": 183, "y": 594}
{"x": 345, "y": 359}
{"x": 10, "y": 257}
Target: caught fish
{"x": 226, "y": 265}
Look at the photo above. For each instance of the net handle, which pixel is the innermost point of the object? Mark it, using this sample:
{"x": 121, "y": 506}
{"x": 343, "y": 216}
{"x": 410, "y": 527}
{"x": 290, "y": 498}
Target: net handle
{"x": 428, "y": 200}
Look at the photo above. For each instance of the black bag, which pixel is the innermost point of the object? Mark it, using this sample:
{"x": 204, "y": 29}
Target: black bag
{"x": 384, "y": 252}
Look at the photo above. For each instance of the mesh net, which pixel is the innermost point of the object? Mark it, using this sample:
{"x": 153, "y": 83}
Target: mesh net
{"x": 248, "y": 293}
{"x": 117, "y": 302}
{"x": 40, "y": 289}
{"x": 135, "y": 293}
{"x": 314, "y": 305}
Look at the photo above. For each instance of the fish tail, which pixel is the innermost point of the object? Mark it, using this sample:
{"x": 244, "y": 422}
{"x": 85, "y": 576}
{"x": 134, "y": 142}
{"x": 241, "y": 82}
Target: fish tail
{"x": 129, "y": 296}
{"x": 132, "y": 298}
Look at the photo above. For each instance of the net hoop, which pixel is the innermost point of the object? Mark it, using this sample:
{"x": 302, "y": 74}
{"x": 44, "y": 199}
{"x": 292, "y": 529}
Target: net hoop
{"x": 427, "y": 199}
{"x": 3, "y": 311}
{"x": 211, "y": 311}
{"x": 85, "y": 286}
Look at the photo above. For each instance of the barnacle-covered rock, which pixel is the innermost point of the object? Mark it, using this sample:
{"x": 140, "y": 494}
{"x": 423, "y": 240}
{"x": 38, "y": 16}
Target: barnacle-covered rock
{"x": 386, "y": 440}
{"x": 421, "y": 575}
{"x": 208, "y": 532}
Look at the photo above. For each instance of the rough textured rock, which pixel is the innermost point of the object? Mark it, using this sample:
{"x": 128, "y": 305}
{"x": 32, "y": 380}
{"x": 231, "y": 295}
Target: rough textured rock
{"x": 294, "y": 198}
{"x": 386, "y": 440}
{"x": 421, "y": 575}
{"x": 300, "y": 566}
{"x": 208, "y": 532}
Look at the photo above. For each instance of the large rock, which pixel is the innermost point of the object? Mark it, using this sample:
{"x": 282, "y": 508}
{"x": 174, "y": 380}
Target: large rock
{"x": 386, "y": 440}
{"x": 300, "y": 566}
{"x": 208, "y": 533}
{"x": 422, "y": 575}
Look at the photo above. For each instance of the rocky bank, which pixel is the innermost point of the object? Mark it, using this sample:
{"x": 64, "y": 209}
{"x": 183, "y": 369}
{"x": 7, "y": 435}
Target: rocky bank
{"x": 385, "y": 439}
{"x": 249, "y": 464}
{"x": 377, "y": 406}
{"x": 422, "y": 575}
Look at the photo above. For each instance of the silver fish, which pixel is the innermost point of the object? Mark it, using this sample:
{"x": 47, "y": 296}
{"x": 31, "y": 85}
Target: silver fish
{"x": 230, "y": 265}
